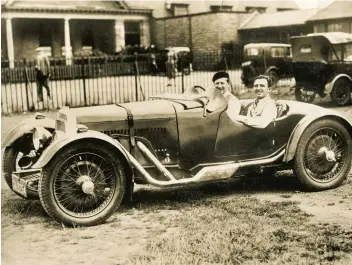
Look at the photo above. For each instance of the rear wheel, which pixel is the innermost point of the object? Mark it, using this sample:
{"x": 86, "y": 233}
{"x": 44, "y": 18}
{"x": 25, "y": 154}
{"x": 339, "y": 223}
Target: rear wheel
{"x": 303, "y": 95}
{"x": 323, "y": 156}
{"x": 341, "y": 92}
{"x": 83, "y": 185}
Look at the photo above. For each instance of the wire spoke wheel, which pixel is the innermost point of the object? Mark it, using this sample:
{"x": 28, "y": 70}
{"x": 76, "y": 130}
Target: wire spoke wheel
{"x": 325, "y": 155}
{"x": 84, "y": 185}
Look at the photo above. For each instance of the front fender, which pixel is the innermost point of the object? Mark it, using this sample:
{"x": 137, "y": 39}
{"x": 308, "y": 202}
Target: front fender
{"x": 329, "y": 86}
{"x": 67, "y": 139}
{"x": 25, "y": 127}
{"x": 302, "y": 126}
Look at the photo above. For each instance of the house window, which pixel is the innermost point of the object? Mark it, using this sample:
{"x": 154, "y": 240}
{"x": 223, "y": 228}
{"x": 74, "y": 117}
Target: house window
{"x": 284, "y": 9}
{"x": 259, "y": 9}
{"x": 220, "y": 8}
{"x": 180, "y": 9}
{"x": 320, "y": 27}
{"x": 334, "y": 27}
{"x": 132, "y": 33}
{"x": 88, "y": 38}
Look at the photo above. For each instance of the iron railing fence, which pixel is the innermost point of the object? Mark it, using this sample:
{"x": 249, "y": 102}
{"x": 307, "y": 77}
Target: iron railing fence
{"x": 87, "y": 81}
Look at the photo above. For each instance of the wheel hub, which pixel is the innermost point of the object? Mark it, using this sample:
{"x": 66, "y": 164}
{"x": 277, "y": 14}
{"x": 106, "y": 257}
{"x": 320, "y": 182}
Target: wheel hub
{"x": 329, "y": 155}
{"x": 86, "y": 184}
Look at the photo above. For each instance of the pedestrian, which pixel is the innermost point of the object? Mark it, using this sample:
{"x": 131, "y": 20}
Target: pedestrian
{"x": 171, "y": 64}
{"x": 42, "y": 74}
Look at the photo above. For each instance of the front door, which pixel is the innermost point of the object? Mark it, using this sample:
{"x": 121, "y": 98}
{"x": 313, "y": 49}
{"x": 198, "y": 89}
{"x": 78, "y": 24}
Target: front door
{"x": 238, "y": 141}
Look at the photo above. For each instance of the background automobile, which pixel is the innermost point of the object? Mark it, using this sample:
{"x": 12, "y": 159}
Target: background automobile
{"x": 322, "y": 64}
{"x": 84, "y": 164}
{"x": 273, "y": 59}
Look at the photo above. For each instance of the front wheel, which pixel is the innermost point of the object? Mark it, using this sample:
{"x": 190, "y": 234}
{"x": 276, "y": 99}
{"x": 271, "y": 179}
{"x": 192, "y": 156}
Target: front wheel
{"x": 274, "y": 78}
{"x": 304, "y": 95}
{"x": 341, "y": 92}
{"x": 10, "y": 164}
{"x": 323, "y": 156}
{"x": 83, "y": 185}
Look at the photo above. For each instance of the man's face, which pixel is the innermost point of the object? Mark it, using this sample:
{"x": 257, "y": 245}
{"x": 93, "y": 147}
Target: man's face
{"x": 261, "y": 88}
{"x": 222, "y": 85}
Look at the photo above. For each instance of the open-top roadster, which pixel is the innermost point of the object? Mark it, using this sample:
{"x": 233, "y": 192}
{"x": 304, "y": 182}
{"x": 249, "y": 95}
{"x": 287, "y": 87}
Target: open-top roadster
{"x": 85, "y": 163}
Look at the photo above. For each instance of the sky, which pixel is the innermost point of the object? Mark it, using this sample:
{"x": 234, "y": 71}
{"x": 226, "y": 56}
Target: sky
{"x": 304, "y": 4}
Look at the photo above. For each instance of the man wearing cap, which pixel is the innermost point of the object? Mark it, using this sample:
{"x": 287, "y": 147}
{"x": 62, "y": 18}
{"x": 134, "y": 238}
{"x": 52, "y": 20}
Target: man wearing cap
{"x": 259, "y": 113}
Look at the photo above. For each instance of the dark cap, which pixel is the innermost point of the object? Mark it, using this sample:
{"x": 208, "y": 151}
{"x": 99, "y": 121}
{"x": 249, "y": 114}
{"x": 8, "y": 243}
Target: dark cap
{"x": 219, "y": 75}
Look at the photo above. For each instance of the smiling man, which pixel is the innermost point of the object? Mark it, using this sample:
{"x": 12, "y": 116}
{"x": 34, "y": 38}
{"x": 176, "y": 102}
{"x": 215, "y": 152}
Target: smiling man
{"x": 259, "y": 113}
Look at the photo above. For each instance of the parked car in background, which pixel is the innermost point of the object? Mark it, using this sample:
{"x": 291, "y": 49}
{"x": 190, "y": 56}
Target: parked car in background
{"x": 273, "y": 59}
{"x": 322, "y": 64}
{"x": 85, "y": 163}
{"x": 184, "y": 59}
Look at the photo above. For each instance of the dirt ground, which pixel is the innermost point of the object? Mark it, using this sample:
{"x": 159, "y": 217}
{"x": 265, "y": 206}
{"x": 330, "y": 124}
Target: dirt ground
{"x": 37, "y": 240}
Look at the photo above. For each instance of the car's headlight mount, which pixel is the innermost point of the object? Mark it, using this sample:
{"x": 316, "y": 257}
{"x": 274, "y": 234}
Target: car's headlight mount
{"x": 41, "y": 137}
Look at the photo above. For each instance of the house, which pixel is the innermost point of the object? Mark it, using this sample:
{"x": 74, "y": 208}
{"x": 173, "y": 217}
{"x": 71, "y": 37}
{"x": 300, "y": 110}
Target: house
{"x": 62, "y": 28}
{"x": 276, "y": 27}
{"x": 172, "y": 8}
{"x": 335, "y": 17}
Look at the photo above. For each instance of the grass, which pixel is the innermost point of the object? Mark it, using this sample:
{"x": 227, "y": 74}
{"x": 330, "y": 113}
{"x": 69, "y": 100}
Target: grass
{"x": 215, "y": 223}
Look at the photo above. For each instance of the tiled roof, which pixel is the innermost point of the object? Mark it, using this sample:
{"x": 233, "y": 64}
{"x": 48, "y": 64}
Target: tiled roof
{"x": 337, "y": 9}
{"x": 73, "y": 6}
{"x": 279, "y": 19}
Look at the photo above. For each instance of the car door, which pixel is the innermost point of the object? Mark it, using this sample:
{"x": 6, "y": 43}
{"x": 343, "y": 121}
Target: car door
{"x": 237, "y": 141}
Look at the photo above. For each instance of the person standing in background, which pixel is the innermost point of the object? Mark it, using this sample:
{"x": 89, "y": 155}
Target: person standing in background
{"x": 171, "y": 64}
{"x": 42, "y": 74}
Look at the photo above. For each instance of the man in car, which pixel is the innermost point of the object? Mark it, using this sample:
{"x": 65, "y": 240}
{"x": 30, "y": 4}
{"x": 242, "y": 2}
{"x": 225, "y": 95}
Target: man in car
{"x": 258, "y": 113}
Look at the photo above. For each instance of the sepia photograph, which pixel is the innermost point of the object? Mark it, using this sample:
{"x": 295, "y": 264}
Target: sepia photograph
{"x": 165, "y": 132}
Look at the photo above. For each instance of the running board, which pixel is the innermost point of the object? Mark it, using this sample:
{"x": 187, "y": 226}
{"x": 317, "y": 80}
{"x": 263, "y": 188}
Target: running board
{"x": 210, "y": 173}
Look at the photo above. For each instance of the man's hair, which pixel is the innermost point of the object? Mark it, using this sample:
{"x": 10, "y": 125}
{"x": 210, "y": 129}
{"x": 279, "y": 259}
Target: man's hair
{"x": 267, "y": 78}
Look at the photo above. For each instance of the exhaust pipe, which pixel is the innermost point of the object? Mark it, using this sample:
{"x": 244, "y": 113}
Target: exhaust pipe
{"x": 210, "y": 173}
{"x": 25, "y": 162}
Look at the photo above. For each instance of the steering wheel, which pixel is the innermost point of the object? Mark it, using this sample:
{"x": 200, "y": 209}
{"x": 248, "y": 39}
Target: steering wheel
{"x": 197, "y": 89}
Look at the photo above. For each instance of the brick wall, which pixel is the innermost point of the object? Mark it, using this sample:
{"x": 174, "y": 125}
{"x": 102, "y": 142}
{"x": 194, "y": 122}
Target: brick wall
{"x": 3, "y": 39}
{"x": 208, "y": 31}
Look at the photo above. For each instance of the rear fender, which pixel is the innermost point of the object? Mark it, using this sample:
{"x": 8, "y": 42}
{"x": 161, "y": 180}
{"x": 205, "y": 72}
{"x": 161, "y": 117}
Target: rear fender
{"x": 25, "y": 127}
{"x": 68, "y": 139}
{"x": 329, "y": 86}
{"x": 302, "y": 126}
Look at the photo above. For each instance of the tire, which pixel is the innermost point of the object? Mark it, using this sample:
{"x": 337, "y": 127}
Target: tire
{"x": 311, "y": 165}
{"x": 341, "y": 92}
{"x": 61, "y": 188}
{"x": 9, "y": 165}
{"x": 300, "y": 96}
{"x": 274, "y": 78}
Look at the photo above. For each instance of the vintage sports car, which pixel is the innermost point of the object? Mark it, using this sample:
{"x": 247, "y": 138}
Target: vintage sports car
{"x": 85, "y": 163}
{"x": 322, "y": 64}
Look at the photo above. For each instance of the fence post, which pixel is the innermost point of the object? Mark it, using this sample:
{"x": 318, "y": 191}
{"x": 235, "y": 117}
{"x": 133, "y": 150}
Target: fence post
{"x": 136, "y": 75}
{"x": 26, "y": 82}
{"x": 84, "y": 81}
{"x": 183, "y": 81}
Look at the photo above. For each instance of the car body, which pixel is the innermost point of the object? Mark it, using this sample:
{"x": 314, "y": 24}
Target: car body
{"x": 84, "y": 164}
{"x": 272, "y": 59}
{"x": 184, "y": 59}
{"x": 322, "y": 64}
